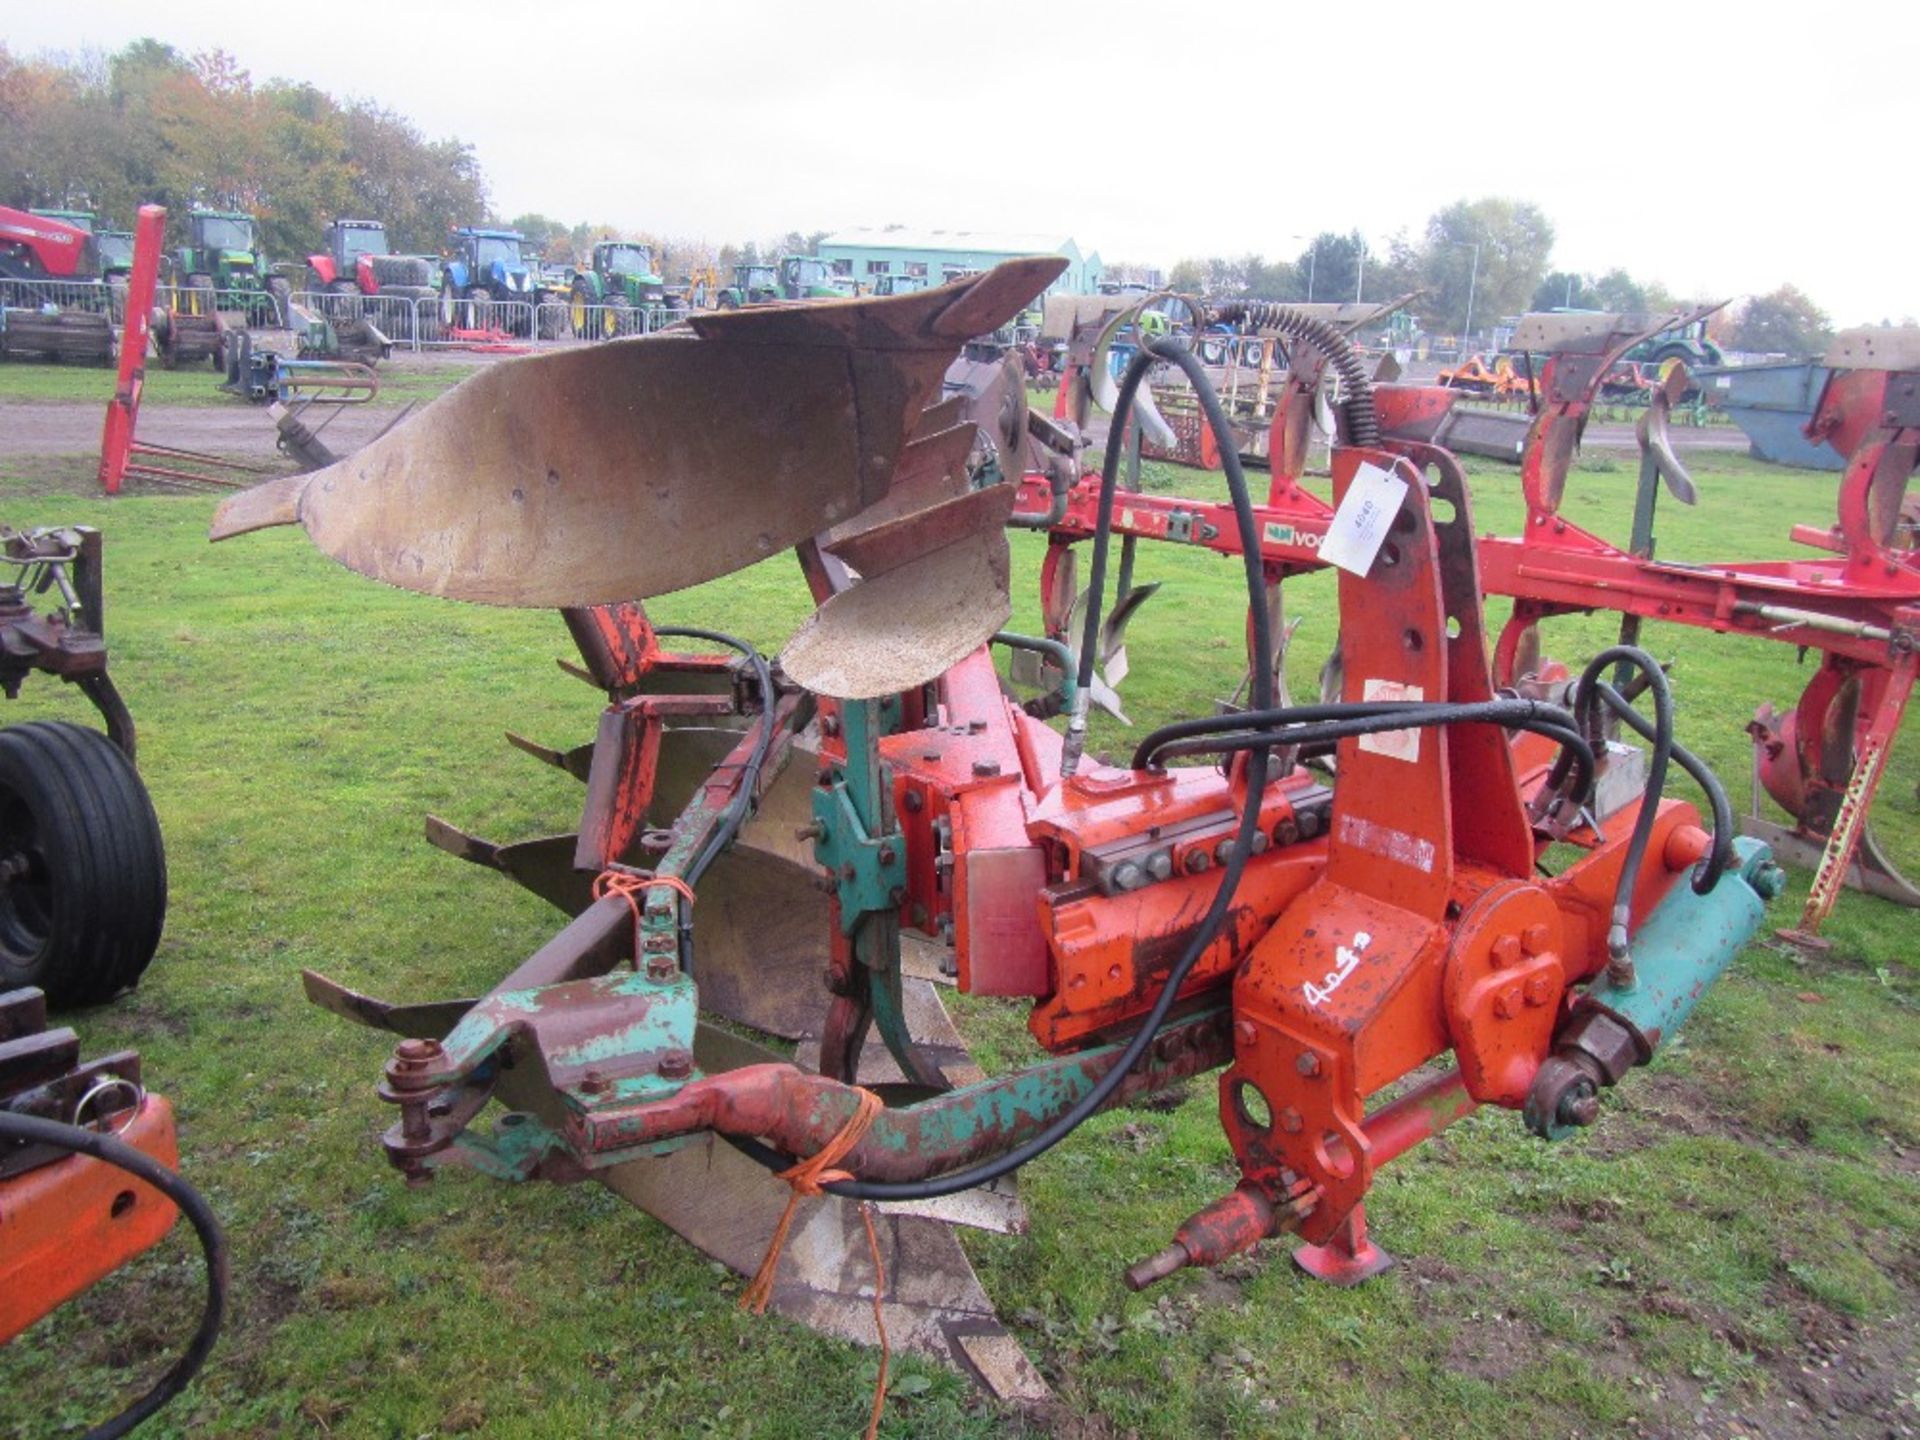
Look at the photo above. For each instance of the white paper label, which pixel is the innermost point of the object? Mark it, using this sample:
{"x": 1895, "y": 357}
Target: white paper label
{"x": 1360, "y": 524}
{"x": 1396, "y": 744}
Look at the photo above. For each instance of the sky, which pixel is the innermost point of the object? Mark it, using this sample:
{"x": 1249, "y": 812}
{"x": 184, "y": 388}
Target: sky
{"x": 1719, "y": 149}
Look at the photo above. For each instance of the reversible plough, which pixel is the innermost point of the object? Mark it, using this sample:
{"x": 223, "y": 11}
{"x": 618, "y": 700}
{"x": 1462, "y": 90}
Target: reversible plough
{"x": 775, "y": 854}
{"x": 1858, "y": 606}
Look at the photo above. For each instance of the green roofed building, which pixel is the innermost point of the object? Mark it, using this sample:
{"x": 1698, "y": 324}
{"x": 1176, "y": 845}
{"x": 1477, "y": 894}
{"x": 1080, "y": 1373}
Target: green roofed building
{"x": 904, "y": 258}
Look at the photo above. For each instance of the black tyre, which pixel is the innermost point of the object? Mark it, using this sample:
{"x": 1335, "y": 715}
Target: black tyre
{"x": 84, "y": 894}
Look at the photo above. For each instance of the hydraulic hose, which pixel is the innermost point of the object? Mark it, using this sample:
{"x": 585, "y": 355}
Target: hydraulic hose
{"x": 1363, "y": 425}
{"x": 111, "y": 1150}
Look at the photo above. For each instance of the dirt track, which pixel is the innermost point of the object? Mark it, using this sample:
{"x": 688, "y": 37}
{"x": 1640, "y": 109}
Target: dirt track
{"x": 68, "y": 428}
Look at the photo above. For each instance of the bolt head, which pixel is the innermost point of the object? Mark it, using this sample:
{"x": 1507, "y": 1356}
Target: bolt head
{"x": 1506, "y": 1004}
{"x": 676, "y": 1065}
{"x": 986, "y": 768}
{"x": 1504, "y": 951}
{"x": 1246, "y": 1033}
{"x": 1290, "y": 1121}
{"x": 661, "y": 968}
{"x": 1307, "y": 1064}
{"x": 1539, "y": 989}
{"x": 417, "y": 1052}
{"x": 1535, "y": 938}
{"x": 1579, "y": 1107}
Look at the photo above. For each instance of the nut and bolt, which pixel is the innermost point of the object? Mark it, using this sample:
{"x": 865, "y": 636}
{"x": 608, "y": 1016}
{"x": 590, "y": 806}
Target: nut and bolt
{"x": 1535, "y": 938}
{"x": 1160, "y": 865}
{"x": 1308, "y": 1064}
{"x": 1197, "y": 862}
{"x": 1246, "y": 1034}
{"x": 1504, "y": 952}
{"x": 985, "y": 769}
{"x": 593, "y": 1082}
{"x": 1290, "y": 1121}
{"x": 887, "y": 854}
{"x": 676, "y": 1065}
{"x": 1579, "y": 1107}
{"x": 813, "y": 831}
{"x": 1128, "y": 876}
{"x": 1539, "y": 989}
{"x": 662, "y": 968}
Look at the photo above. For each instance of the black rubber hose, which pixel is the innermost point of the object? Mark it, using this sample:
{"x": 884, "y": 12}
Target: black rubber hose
{"x": 1717, "y": 861}
{"x": 1586, "y": 705}
{"x": 1232, "y": 742}
{"x": 1363, "y": 425}
{"x": 1255, "y": 777}
{"x": 112, "y": 1150}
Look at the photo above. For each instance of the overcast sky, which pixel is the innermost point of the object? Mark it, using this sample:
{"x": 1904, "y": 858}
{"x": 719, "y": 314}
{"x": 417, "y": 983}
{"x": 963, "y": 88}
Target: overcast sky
{"x": 1721, "y": 149}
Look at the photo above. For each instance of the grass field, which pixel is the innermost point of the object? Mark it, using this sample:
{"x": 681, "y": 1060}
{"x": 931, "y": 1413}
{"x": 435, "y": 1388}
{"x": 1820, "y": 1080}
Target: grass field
{"x": 1732, "y": 1251}
{"x": 402, "y": 380}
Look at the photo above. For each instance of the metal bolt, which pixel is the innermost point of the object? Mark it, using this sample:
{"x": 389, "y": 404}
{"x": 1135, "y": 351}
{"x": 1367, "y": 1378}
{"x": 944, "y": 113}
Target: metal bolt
{"x": 1160, "y": 864}
{"x": 1308, "y": 1064}
{"x": 661, "y": 968}
{"x": 1534, "y": 939}
{"x": 1539, "y": 989}
{"x": 1579, "y": 1107}
{"x": 593, "y": 1082}
{"x": 1128, "y": 876}
{"x": 1258, "y": 844}
{"x": 1246, "y": 1033}
{"x": 1166, "y": 1047}
{"x": 887, "y": 854}
{"x": 986, "y": 768}
{"x": 417, "y": 1052}
{"x": 914, "y": 802}
{"x": 1223, "y": 852}
{"x": 1507, "y": 1002}
{"x": 1197, "y": 862}
{"x": 1286, "y": 833}
{"x": 1309, "y": 824}
{"x": 1505, "y": 951}
{"x": 814, "y": 831}
{"x": 676, "y": 1065}
{"x": 974, "y": 727}
{"x": 1290, "y": 1121}
{"x": 897, "y": 896}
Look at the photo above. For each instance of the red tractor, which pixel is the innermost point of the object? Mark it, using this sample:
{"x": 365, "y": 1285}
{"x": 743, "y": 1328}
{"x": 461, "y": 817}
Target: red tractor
{"x": 33, "y": 247}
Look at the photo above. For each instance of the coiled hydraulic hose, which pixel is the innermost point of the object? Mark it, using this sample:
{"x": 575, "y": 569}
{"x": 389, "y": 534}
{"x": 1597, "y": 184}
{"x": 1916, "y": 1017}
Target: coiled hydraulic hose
{"x": 1363, "y": 425}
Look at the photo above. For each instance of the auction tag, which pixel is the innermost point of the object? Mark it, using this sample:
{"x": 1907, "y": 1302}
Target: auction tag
{"x": 1359, "y": 526}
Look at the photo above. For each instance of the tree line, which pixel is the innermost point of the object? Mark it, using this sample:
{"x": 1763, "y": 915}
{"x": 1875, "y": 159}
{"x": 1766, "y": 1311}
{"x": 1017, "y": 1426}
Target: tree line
{"x": 150, "y": 124}
{"x": 1493, "y": 254}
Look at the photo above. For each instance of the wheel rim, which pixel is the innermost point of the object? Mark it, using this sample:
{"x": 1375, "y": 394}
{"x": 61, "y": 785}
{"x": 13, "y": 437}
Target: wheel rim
{"x": 578, "y": 315}
{"x": 610, "y": 323}
{"x": 26, "y": 889}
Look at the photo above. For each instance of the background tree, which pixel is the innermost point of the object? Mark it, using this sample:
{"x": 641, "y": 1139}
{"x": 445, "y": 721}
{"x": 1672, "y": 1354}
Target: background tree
{"x": 1511, "y": 239}
{"x": 1330, "y": 268}
{"x": 1782, "y": 322}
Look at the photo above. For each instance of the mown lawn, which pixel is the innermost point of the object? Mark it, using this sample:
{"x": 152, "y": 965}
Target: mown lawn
{"x": 402, "y": 379}
{"x": 1731, "y": 1251}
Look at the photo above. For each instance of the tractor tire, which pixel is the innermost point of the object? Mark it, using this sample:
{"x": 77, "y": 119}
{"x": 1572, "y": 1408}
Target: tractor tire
{"x": 580, "y": 317}
{"x": 117, "y": 301}
{"x": 85, "y": 896}
{"x": 618, "y": 318}
{"x": 454, "y": 312}
{"x": 390, "y": 271}
{"x": 280, "y": 299}
{"x": 550, "y": 316}
{"x": 726, "y": 301}
{"x": 477, "y": 299}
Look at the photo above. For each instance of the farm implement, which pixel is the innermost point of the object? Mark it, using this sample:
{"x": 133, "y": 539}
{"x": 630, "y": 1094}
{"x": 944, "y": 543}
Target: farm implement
{"x": 87, "y": 1153}
{"x": 733, "y": 1029}
{"x": 1822, "y": 762}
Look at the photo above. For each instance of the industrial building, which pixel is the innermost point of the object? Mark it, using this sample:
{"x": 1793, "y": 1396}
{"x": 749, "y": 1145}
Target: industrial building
{"x": 935, "y": 256}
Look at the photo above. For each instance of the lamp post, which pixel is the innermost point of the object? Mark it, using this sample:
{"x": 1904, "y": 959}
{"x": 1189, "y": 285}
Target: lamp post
{"x": 1359, "y": 271}
{"x": 1473, "y": 276}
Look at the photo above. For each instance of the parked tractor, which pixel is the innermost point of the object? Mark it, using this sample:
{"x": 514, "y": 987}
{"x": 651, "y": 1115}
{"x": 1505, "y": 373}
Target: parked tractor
{"x": 482, "y": 266}
{"x": 222, "y": 257}
{"x": 623, "y": 282}
{"x": 36, "y": 247}
{"x": 796, "y": 277}
{"x": 898, "y": 284}
{"x": 358, "y": 262}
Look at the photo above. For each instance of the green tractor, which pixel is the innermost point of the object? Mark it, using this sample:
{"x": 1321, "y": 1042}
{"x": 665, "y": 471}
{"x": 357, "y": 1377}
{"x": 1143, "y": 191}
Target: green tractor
{"x": 1687, "y": 343}
{"x": 622, "y": 280}
{"x": 796, "y": 277}
{"x": 112, "y": 248}
{"x": 222, "y": 256}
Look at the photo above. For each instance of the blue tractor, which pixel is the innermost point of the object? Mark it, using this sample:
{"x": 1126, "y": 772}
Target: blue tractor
{"x": 483, "y": 266}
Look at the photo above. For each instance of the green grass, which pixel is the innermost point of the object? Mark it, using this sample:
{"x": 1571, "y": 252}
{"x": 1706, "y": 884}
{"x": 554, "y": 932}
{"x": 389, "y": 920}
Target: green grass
{"x": 1747, "y": 1207}
{"x": 402, "y": 379}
